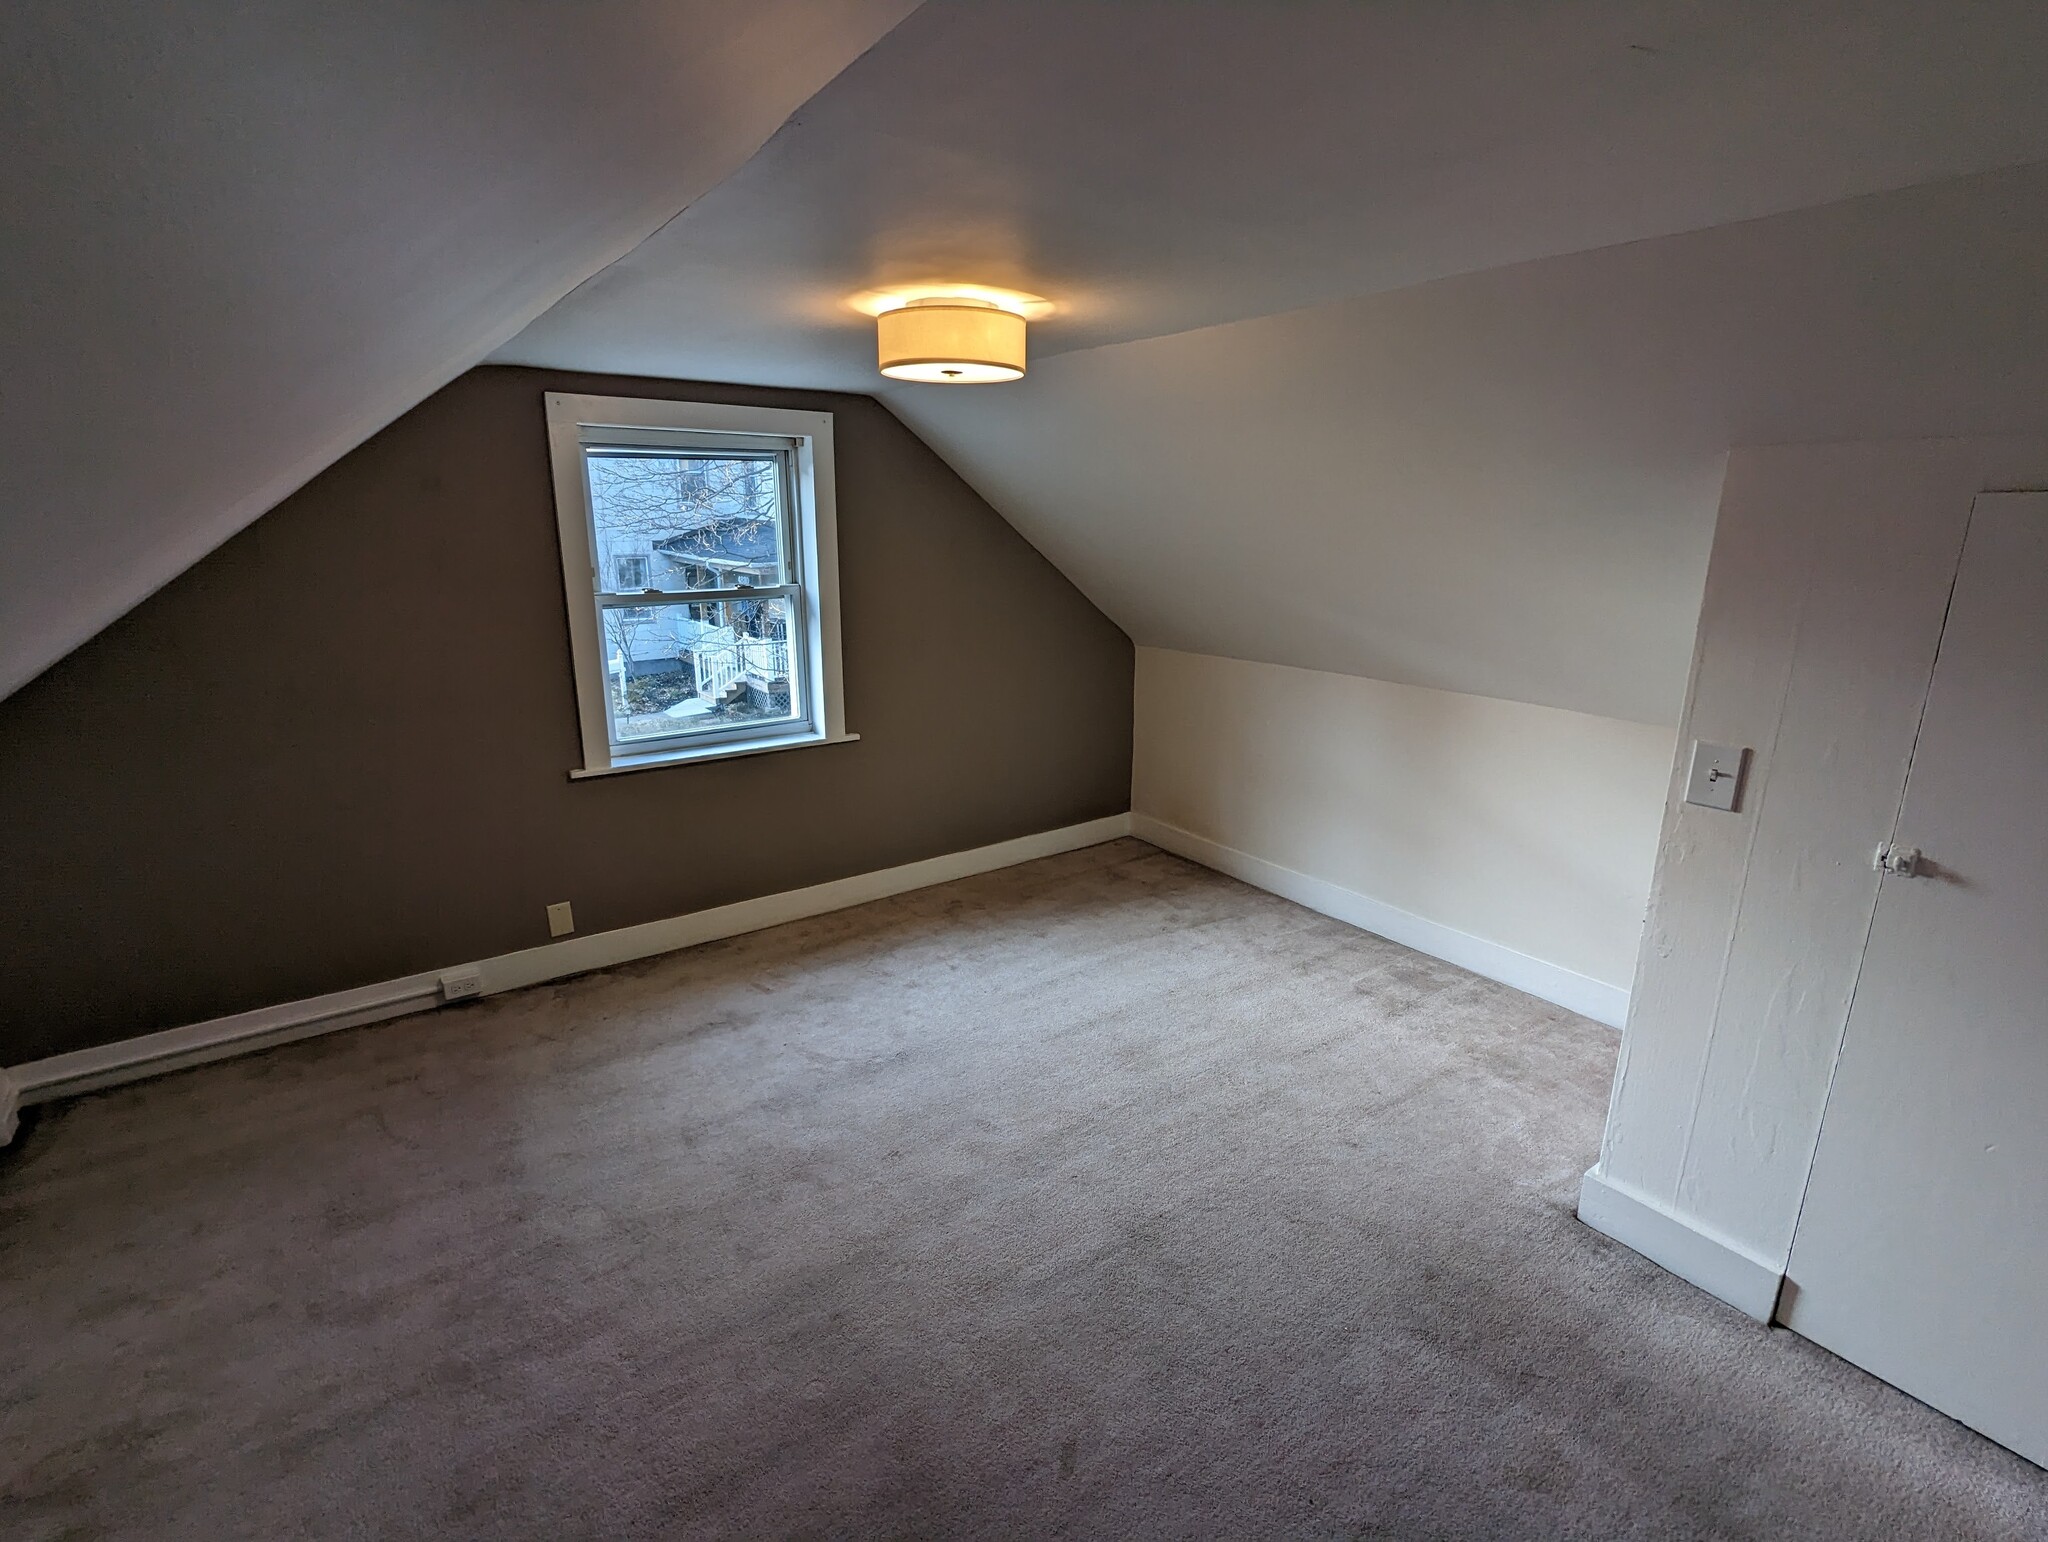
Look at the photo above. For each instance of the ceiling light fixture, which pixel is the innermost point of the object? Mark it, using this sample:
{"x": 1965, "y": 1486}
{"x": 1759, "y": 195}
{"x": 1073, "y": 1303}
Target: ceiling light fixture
{"x": 951, "y": 338}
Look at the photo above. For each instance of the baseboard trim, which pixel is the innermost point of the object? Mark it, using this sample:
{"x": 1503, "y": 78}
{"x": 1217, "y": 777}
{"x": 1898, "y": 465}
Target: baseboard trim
{"x": 600, "y": 950}
{"x": 173, "y": 1049}
{"x": 1717, "y": 1265}
{"x": 10, "y": 1106}
{"x": 1574, "y": 992}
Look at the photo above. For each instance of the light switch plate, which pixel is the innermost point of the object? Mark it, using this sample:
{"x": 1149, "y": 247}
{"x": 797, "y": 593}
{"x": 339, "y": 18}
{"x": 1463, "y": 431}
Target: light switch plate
{"x": 1715, "y": 780}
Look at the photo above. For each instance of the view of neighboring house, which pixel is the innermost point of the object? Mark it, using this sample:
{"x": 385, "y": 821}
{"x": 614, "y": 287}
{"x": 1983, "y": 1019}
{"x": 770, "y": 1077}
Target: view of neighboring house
{"x": 669, "y": 525}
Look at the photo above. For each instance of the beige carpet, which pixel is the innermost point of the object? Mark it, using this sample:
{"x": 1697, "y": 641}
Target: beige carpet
{"x": 1100, "y": 1197}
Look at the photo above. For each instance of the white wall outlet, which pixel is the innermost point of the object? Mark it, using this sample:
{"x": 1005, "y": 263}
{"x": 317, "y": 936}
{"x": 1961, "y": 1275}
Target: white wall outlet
{"x": 461, "y": 984}
{"x": 561, "y": 919}
{"x": 1715, "y": 780}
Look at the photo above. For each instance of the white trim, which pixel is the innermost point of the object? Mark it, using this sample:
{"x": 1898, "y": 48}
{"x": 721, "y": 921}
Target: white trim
{"x": 654, "y": 761}
{"x": 1717, "y": 1265}
{"x": 600, "y": 950}
{"x": 173, "y": 1049}
{"x": 10, "y": 1104}
{"x": 1574, "y": 992}
{"x": 807, "y": 436}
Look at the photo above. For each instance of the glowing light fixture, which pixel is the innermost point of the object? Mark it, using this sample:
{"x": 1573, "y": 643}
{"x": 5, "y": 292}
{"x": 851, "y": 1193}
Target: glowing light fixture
{"x": 951, "y": 339}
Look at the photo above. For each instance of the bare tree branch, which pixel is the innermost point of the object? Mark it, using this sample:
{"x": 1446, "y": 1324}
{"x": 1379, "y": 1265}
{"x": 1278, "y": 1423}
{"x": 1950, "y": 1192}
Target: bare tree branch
{"x": 665, "y": 497}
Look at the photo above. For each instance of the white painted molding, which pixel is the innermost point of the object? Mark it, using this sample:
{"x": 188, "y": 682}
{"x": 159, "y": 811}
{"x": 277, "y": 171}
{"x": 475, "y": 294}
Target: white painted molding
{"x": 10, "y": 1104}
{"x": 175, "y": 1048}
{"x": 1719, "y": 1266}
{"x": 573, "y": 955}
{"x": 809, "y": 525}
{"x": 1574, "y": 992}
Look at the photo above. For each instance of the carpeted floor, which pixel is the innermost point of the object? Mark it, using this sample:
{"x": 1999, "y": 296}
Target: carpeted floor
{"x": 1099, "y": 1197}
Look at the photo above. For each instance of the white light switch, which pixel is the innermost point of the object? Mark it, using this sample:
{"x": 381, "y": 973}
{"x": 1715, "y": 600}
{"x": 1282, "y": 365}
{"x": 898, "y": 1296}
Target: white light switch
{"x": 1715, "y": 780}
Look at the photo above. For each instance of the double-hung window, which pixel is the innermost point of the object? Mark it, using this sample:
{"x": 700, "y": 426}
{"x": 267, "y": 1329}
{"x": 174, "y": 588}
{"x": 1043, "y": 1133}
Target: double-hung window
{"x": 699, "y": 564}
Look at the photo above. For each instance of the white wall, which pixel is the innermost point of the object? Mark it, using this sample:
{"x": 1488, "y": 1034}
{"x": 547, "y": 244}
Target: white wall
{"x": 1528, "y": 829}
{"x": 1824, "y": 602}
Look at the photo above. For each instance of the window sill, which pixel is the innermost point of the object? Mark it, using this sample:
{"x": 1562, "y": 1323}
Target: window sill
{"x": 655, "y": 760}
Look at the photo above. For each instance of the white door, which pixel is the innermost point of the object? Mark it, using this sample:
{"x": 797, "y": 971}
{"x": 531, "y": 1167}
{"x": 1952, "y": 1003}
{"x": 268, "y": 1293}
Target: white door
{"x": 1922, "y": 1248}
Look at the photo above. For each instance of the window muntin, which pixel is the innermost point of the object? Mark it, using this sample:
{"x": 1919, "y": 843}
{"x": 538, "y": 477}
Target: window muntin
{"x": 729, "y": 510}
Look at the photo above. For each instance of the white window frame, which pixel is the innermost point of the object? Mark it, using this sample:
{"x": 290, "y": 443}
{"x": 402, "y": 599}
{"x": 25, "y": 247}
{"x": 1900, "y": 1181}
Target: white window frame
{"x": 576, "y": 422}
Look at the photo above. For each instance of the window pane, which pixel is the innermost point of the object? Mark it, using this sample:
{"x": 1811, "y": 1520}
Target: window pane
{"x": 684, "y": 669}
{"x": 676, "y": 522}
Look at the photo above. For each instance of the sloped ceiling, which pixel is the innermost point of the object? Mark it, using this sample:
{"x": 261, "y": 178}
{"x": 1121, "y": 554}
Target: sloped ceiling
{"x": 1267, "y": 420}
{"x": 1505, "y": 483}
{"x": 1326, "y": 384}
{"x": 241, "y": 238}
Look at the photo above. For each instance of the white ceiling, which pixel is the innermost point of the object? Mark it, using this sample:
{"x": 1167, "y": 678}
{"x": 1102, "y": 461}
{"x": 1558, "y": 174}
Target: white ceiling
{"x": 1502, "y": 483}
{"x": 1505, "y": 483}
{"x": 241, "y": 238}
{"x": 1156, "y": 166}
{"x": 247, "y": 237}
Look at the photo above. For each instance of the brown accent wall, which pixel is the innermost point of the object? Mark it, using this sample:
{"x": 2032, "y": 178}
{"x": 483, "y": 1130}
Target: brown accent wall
{"x": 337, "y": 750}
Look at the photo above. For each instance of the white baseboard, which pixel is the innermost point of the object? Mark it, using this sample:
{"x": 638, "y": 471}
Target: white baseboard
{"x": 1575, "y": 992}
{"x": 10, "y": 1105}
{"x": 600, "y": 950}
{"x": 173, "y": 1049}
{"x": 1719, "y": 1266}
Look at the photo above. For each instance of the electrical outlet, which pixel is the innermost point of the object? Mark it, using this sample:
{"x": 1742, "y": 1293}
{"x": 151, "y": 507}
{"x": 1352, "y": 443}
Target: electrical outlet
{"x": 561, "y": 919}
{"x": 461, "y": 984}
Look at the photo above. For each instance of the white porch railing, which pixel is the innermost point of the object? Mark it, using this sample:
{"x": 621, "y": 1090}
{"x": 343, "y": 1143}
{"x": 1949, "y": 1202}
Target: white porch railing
{"x": 765, "y": 659}
{"x": 723, "y": 658}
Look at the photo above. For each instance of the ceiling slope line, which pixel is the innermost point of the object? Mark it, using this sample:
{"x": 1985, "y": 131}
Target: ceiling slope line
{"x": 496, "y": 168}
